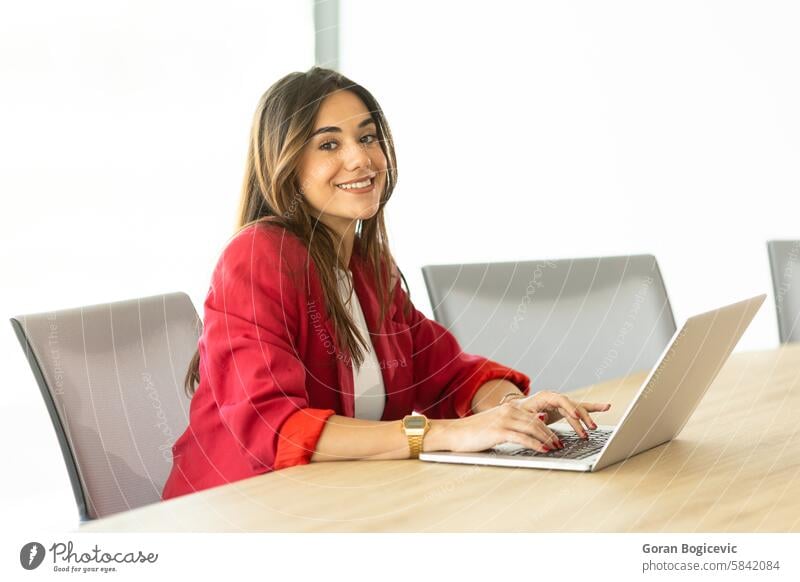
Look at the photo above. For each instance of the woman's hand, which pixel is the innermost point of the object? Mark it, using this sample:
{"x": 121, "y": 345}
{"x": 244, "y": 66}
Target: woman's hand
{"x": 522, "y": 421}
{"x": 507, "y": 422}
{"x": 556, "y": 406}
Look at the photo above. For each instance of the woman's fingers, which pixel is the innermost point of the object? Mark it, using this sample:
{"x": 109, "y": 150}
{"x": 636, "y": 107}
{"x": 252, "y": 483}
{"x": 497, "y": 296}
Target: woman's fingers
{"x": 525, "y": 440}
{"x": 596, "y": 406}
{"x": 584, "y": 417}
{"x": 576, "y": 425}
{"x": 567, "y": 407}
{"x": 583, "y": 409}
{"x": 576, "y": 414}
{"x": 587, "y": 407}
{"x": 530, "y": 424}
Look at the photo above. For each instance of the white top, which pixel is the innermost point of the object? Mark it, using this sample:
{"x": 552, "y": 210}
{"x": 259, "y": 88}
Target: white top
{"x": 368, "y": 379}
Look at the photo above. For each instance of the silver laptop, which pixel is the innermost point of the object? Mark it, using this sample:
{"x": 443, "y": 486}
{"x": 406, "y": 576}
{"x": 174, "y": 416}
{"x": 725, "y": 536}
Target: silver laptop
{"x": 660, "y": 410}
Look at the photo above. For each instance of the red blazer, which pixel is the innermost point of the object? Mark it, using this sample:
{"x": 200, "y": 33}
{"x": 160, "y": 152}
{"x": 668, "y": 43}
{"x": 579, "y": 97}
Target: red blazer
{"x": 269, "y": 372}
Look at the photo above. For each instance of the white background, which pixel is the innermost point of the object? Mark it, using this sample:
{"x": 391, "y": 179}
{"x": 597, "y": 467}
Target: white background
{"x": 524, "y": 130}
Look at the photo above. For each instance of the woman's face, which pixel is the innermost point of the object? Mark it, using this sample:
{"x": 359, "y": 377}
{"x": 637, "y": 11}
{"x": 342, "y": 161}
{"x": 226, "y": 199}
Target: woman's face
{"x": 343, "y": 149}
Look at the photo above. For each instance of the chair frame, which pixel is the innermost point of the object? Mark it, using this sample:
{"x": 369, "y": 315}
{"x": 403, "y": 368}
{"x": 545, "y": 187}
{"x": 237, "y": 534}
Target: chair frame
{"x": 775, "y": 267}
{"x": 58, "y": 426}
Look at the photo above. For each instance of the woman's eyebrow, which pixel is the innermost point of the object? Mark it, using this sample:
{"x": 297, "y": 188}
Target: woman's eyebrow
{"x": 334, "y": 129}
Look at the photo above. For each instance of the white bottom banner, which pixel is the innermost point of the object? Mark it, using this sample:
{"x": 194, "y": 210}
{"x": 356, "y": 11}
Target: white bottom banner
{"x": 81, "y": 556}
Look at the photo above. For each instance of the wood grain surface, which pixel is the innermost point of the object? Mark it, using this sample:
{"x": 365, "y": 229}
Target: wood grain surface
{"x": 735, "y": 467}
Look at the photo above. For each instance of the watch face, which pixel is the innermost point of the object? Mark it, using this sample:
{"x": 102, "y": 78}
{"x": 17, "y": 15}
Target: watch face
{"x": 413, "y": 422}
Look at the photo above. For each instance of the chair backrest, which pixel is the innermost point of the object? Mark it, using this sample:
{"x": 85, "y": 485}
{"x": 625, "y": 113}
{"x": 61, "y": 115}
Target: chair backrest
{"x": 112, "y": 379}
{"x": 784, "y": 262}
{"x": 565, "y": 323}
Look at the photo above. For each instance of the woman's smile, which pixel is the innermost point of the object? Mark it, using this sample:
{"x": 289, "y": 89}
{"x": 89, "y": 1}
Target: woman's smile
{"x": 359, "y": 186}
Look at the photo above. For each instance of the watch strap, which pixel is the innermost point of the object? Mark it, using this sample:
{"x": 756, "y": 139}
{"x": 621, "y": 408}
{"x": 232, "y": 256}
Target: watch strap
{"x": 415, "y": 445}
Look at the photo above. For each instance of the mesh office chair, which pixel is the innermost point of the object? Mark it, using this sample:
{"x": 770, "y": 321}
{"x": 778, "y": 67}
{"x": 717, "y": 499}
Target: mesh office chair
{"x": 784, "y": 262}
{"x": 111, "y": 376}
{"x": 566, "y": 323}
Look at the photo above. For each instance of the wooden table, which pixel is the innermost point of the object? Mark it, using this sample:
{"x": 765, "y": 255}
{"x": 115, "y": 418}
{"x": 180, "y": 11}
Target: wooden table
{"x": 735, "y": 467}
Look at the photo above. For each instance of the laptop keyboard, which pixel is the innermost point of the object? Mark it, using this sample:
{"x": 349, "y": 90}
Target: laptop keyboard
{"x": 574, "y": 446}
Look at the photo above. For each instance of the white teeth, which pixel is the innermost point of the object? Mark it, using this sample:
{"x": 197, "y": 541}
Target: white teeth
{"x": 355, "y": 185}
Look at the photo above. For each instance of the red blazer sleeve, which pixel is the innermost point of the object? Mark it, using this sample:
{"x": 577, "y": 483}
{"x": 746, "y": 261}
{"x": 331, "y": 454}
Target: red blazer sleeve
{"x": 446, "y": 378}
{"x": 258, "y": 382}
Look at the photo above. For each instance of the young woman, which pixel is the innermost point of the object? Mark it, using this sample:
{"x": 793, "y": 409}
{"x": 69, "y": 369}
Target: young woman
{"x": 311, "y": 350}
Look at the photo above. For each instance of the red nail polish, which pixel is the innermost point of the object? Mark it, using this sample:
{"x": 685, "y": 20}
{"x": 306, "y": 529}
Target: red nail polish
{"x": 546, "y": 449}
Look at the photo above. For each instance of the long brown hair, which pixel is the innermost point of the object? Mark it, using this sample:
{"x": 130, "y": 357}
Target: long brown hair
{"x": 282, "y": 125}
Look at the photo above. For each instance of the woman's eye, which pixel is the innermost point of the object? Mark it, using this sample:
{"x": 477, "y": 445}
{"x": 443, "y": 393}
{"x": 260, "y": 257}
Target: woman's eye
{"x": 368, "y": 139}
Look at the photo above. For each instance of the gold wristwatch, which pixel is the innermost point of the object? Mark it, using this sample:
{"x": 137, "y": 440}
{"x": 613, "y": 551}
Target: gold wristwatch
{"x": 415, "y": 426}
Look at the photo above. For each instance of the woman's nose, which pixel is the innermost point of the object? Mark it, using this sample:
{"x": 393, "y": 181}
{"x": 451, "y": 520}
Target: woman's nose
{"x": 356, "y": 156}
